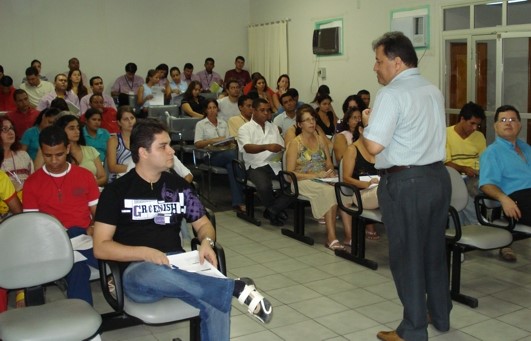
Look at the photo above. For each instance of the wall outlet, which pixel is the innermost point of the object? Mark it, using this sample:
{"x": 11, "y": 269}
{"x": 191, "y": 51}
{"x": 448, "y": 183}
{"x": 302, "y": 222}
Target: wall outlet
{"x": 321, "y": 72}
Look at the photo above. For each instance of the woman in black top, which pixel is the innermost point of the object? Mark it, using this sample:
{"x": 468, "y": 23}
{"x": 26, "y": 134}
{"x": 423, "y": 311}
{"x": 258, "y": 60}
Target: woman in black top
{"x": 326, "y": 119}
{"x": 193, "y": 104}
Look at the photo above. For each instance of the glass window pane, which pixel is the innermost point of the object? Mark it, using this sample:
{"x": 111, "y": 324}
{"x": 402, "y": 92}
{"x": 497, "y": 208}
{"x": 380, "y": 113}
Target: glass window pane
{"x": 519, "y": 13}
{"x": 485, "y": 73}
{"x": 516, "y": 82}
{"x": 489, "y": 15}
{"x": 457, "y": 18}
{"x": 457, "y": 75}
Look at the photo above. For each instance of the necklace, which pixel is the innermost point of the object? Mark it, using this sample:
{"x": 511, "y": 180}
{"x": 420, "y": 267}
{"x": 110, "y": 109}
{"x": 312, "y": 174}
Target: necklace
{"x": 130, "y": 84}
{"x": 59, "y": 187}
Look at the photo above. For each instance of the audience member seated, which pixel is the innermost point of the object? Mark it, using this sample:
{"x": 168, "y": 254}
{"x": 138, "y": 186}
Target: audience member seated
{"x": 108, "y": 114}
{"x": 38, "y": 65}
{"x": 283, "y": 84}
{"x": 238, "y": 73}
{"x": 163, "y": 71}
{"x": 188, "y": 74}
{"x": 7, "y": 102}
{"x": 210, "y": 130}
{"x": 142, "y": 241}
{"x": 118, "y": 151}
{"x": 76, "y": 85}
{"x": 263, "y": 91}
{"x": 326, "y": 118}
{"x": 323, "y": 90}
{"x": 228, "y": 105}
{"x": 346, "y": 129}
{"x": 73, "y": 64}
{"x": 208, "y": 78}
{"x": 506, "y": 170}
{"x": 94, "y": 135}
{"x": 193, "y": 103}
{"x": 365, "y": 96}
{"x": 127, "y": 84}
{"x": 35, "y": 86}
{"x": 70, "y": 194}
{"x": 8, "y": 195}
{"x": 309, "y": 158}
{"x": 357, "y": 161}
{"x": 30, "y": 140}
{"x": 60, "y": 104}
{"x": 174, "y": 87}
{"x": 16, "y": 162}
{"x": 464, "y": 145}
{"x": 245, "y": 104}
{"x": 247, "y": 88}
{"x": 145, "y": 92}
{"x": 257, "y": 141}
{"x": 24, "y": 116}
{"x": 97, "y": 87}
{"x": 60, "y": 84}
{"x": 295, "y": 94}
{"x": 286, "y": 119}
{"x": 79, "y": 154}
{"x": 351, "y": 102}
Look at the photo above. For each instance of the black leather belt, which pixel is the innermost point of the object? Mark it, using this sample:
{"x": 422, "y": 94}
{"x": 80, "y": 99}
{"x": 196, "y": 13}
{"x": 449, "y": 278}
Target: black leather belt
{"x": 396, "y": 169}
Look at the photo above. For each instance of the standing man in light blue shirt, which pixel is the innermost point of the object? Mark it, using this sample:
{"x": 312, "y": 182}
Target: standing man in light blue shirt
{"x": 407, "y": 133}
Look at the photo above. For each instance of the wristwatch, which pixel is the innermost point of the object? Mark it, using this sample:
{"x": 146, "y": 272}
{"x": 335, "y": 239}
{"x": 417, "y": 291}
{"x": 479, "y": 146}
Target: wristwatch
{"x": 210, "y": 241}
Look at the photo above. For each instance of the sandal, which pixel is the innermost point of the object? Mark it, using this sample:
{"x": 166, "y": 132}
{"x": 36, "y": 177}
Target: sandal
{"x": 372, "y": 235}
{"x": 258, "y": 306}
{"x": 335, "y": 245}
{"x": 240, "y": 208}
{"x": 507, "y": 254}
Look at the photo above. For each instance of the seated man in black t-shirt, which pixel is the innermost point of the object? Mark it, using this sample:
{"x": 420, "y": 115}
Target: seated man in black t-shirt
{"x": 138, "y": 221}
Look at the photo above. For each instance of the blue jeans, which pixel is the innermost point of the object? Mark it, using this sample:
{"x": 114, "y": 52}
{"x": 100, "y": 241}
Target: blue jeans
{"x": 78, "y": 279}
{"x": 146, "y": 282}
{"x": 224, "y": 159}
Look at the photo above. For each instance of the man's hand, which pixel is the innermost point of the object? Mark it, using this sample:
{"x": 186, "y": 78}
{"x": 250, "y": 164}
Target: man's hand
{"x": 365, "y": 115}
{"x": 206, "y": 252}
{"x": 469, "y": 171}
{"x": 274, "y": 147}
{"x": 510, "y": 208}
{"x": 155, "y": 256}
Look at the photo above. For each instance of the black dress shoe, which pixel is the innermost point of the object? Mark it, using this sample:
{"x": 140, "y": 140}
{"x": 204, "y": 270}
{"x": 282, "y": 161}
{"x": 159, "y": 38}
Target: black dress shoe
{"x": 273, "y": 219}
{"x": 283, "y": 215}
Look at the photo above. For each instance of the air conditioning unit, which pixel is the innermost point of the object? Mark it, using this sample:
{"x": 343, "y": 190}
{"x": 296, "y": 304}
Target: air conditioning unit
{"x": 413, "y": 27}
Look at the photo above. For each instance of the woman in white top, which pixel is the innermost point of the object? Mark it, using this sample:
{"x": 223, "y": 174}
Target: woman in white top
{"x": 212, "y": 130}
{"x": 145, "y": 92}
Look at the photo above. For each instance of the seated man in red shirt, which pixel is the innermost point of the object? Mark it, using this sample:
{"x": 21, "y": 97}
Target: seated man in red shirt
{"x": 70, "y": 194}
{"x": 24, "y": 116}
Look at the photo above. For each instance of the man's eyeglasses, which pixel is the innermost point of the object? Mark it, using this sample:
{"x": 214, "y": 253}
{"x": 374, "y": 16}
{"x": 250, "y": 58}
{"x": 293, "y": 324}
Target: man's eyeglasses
{"x": 508, "y": 119}
{"x": 7, "y": 129}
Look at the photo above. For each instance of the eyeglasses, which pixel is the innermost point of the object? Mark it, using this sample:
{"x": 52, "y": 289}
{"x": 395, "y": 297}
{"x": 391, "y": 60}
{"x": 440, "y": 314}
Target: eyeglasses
{"x": 309, "y": 119}
{"x": 508, "y": 119}
{"x": 7, "y": 129}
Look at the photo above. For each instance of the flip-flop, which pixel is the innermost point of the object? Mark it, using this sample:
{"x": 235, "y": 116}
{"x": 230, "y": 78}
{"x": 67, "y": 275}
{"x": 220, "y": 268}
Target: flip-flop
{"x": 335, "y": 245}
{"x": 372, "y": 235}
{"x": 507, "y": 254}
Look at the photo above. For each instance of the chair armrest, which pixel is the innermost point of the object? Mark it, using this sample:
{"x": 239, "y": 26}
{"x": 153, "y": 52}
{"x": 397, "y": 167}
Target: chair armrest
{"x": 452, "y": 213}
{"x": 346, "y": 189}
{"x": 286, "y": 179}
{"x": 240, "y": 173}
{"x": 116, "y": 302}
{"x": 483, "y": 201}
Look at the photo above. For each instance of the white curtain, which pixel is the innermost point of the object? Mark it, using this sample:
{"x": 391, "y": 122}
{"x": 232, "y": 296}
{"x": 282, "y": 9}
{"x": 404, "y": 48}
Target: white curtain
{"x": 268, "y": 50}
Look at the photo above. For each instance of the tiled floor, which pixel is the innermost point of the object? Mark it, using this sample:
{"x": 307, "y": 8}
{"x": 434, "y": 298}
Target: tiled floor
{"x": 318, "y": 296}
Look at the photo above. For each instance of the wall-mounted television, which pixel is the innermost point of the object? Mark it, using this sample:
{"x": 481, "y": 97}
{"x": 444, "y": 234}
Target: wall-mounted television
{"x": 326, "y": 41}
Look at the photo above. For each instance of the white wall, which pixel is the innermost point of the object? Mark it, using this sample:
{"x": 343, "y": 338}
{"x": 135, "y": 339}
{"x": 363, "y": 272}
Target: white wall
{"x": 106, "y": 34}
{"x": 363, "y": 22}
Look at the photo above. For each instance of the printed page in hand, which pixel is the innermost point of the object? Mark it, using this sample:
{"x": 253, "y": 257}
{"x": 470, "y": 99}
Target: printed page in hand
{"x": 189, "y": 261}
